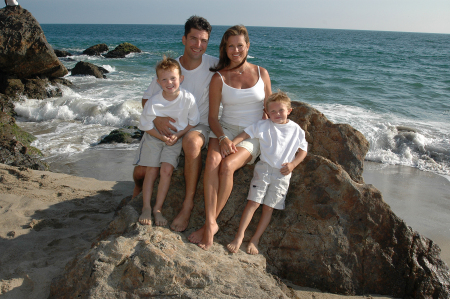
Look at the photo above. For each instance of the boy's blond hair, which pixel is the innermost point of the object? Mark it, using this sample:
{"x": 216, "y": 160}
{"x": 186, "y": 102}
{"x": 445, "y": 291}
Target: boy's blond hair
{"x": 280, "y": 97}
{"x": 167, "y": 64}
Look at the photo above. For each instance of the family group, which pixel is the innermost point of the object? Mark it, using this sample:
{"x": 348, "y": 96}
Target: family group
{"x": 226, "y": 105}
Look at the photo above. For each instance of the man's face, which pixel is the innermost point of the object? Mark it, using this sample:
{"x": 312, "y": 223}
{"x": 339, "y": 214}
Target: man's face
{"x": 195, "y": 43}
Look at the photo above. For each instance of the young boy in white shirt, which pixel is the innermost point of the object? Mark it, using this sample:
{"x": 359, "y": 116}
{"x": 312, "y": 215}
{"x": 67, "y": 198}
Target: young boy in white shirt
{"x": 157, "y": 152}
{"x": 283, "y": 147}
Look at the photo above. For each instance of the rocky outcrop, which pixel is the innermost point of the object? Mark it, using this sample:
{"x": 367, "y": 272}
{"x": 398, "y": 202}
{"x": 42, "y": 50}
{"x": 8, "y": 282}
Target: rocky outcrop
{"x": 61, "y": 53}
{"x": 336, "y": 235}
{"x": 86, "y": 68}
{"x": 122, "y": 50}
{"x": 24, "y": 50}
{"x": 96, "y": 50}
{"x": 123, "y": 135}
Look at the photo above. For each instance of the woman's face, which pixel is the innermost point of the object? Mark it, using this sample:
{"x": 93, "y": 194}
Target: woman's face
{"x": 237, "y": 49}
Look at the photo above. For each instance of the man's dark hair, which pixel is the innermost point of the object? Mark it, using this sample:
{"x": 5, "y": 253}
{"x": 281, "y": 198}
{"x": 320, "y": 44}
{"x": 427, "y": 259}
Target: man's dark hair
{"x": 196, "y": 22}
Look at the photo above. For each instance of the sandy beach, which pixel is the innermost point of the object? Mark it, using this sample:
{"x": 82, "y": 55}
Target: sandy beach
{"x": 48, "y": 217}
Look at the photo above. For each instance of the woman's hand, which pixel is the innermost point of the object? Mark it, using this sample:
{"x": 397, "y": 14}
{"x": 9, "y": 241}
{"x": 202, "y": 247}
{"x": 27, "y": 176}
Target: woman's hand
{"x": 227, "y": 147}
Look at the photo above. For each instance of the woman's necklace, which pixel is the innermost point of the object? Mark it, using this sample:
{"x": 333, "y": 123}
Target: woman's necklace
{"x": 240, "y": 72}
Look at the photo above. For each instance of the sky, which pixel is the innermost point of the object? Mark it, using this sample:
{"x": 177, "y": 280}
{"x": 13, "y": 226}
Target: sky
{"x": 431, "y": 16}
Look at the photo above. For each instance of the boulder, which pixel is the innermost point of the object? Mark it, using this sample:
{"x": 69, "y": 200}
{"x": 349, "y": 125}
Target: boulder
{"x": 24, "y": 50}
{"x": 336, "y": 235}
{"x": 122, "y": 50}
{"x": 123, "y": 135}
{"x": 15, "y": 149}
{"x": 96, "y": 50}
{"x": 86, "y": 68}
{"x": 60, "y": 53}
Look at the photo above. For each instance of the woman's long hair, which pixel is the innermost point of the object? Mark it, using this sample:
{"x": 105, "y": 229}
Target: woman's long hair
{"x": 224, "y": 61}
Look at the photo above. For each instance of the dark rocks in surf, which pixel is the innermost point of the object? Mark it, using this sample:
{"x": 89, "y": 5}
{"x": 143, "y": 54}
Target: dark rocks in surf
{"x": 123, "y": 135}
{"x": 96, "y": 50}
{"x": 122, "y": 50}
{"x": 86, "y": 68}
{"x": 61, "y": 53}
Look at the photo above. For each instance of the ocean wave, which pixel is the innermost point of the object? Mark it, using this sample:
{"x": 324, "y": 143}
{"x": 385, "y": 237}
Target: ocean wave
{"x": 397, "y": 141}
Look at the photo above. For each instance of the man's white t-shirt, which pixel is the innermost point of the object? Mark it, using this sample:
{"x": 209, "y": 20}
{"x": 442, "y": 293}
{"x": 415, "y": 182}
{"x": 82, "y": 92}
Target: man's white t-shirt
{"x": 196, "y": 82}
{"x": 278, "y": 142}
{"x": 183, "y": 110}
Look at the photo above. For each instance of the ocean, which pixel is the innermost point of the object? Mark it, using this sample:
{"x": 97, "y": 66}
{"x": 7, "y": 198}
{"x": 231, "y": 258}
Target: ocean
{"x": 393, "y": 87}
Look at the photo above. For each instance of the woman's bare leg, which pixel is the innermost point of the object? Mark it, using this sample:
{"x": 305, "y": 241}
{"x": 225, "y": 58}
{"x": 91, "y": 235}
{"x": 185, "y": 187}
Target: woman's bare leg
{"x": 211, "y": 187}
{"x": 217, "y": 192}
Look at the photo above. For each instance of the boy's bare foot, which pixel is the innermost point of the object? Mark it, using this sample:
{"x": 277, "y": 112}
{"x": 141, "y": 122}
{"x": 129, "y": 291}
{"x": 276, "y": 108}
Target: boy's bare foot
{"x": 146, "y": 216}
{"x": 159, "y": 218}
{"x": 197, "y": 236}
{"x": 252, "y": 247}
{"x": 181, "y": 222}
{"x": 208, "y": 236}
{"x": 235, "y": 245}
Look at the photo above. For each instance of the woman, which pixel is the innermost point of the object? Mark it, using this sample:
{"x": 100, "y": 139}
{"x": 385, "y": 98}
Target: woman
{"x": 242, "y": 88}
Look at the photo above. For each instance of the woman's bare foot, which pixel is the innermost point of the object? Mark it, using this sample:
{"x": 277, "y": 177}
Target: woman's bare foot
{"x": 235, "y": 245}
{"x": 197, "y": 236}
{"x": 159, "y": 218}
{"x": 208, "y": 236}
{"x": 146, "y": 216}
{"x": 252, "y": 247}
{"x": 181, "y": 222}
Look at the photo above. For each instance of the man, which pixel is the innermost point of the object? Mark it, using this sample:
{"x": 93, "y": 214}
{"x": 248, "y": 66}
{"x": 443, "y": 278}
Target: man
{"x": 195, "y": 66}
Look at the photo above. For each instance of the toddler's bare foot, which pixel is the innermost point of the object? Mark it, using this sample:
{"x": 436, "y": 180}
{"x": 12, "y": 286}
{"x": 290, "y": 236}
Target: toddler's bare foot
{"x": 252, "y": 247}
{"x": 146, "y": 216}
{"x": 235, "y": 245}
{"x": 159, "y": 219}
{"x": 181, "y": 222}
{"x": 196, "y": 237}
{"x": 208, "y": 236}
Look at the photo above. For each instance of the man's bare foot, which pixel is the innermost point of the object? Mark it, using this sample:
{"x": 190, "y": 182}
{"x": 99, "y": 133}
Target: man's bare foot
{"x": 159, "y": 218}
{"x": 146, "y": 216}
{"x": 197, "y": 236}
{"x": 235, "y": 245}
{"x": 252, "y": 247}
{"x": 208, "y": 236}
{"x": 181, "y": 222}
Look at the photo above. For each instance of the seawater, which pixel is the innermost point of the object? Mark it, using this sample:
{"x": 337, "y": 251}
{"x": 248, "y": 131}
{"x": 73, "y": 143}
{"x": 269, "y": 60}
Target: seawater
{"x": 393, "y": 87}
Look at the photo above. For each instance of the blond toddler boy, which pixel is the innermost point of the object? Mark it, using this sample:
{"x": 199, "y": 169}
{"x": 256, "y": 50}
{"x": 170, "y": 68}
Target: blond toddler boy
{"x": 283, "y": 147}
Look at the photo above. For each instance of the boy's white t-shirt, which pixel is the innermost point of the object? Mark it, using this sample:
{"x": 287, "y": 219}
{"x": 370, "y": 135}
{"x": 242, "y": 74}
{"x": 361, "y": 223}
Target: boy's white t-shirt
{"x": 183, "y": 110}
{"x": 196, "y": 82}
{"x": 278, "y": 142}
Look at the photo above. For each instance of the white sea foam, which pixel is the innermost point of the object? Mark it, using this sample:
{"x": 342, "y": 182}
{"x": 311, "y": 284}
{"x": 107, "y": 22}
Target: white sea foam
{"x": 397, "y": 141}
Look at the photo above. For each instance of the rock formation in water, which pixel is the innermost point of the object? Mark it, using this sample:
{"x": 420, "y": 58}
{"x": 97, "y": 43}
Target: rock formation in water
{"x": 28, "y": 66}
{"x": 87, "y": 68}
{"x": 96, "y": 50}
{"x": 336, "y": 234}
{"x": 122, "y": 50}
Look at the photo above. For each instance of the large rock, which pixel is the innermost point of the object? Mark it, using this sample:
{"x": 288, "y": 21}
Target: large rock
{"x": 24, "y": 50}
{"x": 122, "y": 50}
{"x": 335, "y": 234}
{"x": 96, "y": 50}
{"x": 86, "y": 68}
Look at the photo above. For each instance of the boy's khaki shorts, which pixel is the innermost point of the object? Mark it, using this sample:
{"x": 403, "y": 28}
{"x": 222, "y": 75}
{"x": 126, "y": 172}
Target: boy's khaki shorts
{"x": 152, "y": 152}
{"x": 231, "y": 131}
{"x": 269, "y": 186}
